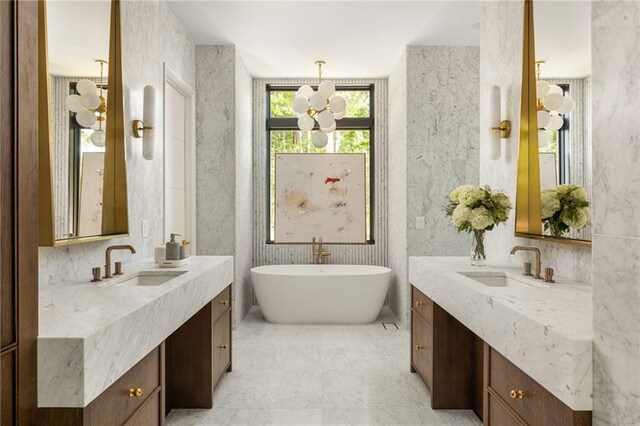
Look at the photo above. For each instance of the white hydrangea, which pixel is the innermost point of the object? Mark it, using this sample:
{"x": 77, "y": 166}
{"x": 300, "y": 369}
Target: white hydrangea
{"x": 581, "y": 218}
{"x": 580, "y": 194}
{"x": 460, "y": 215}
{"x": 550, "y": 203}
{"x": 455, "y": 194}
{"x": 481, "y": 218}
{"x": 471, "y": 195}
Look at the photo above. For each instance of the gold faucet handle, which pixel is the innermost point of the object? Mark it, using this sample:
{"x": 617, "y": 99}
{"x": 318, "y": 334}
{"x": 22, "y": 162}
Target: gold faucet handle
{"x": 96, "y": 274}
{"x": 548, "y": 275}
{"x": 118, "y": 269}
{"x": 527, "y": 269}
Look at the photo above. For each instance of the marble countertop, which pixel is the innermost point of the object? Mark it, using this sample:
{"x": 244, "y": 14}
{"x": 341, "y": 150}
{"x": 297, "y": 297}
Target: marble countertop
{"x": 90, "y": 335}
{"x": 546, "y": 330}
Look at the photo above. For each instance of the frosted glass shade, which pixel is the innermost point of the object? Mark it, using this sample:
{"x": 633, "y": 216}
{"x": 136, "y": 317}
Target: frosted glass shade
{"x": 326, "y": 119}
{"x": 86, "y": 118}
{"x": 305, "y": 123}
{"x": 552, "y": 101}
{"x": 305, "y": 91}
{"x": 319, "y": 139}
{"x": 328, "y": 129}
{"x": 555, "y": 123}
{"x": 327, "y": 89}
{"x": 74, "y": 103}
{"x": 543, "y": 119}
{"x": 85, "y": 87}
{"x": 568, "y": 104}
{"x": 149, "y": 119}
{"x": 90, "y": 101}
{"x": 300, "y": 105}
{"x": 98, "y": 138}
{"x": 340, "y": 116}
{"x": 338, "y": 104}
{"x": 554, "y": 88}
{"x": 542, "y": 88}
{"x": 495, "y": 118}
{"x": 318, "y": 101}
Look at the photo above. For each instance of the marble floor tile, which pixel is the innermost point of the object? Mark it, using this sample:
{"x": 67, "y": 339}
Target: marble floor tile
{"x": 320, "y": 375}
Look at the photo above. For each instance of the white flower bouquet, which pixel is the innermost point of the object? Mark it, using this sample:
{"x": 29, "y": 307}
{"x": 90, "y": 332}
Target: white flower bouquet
{"x": 564, "y": 207}
{"x": 476, "y": 210}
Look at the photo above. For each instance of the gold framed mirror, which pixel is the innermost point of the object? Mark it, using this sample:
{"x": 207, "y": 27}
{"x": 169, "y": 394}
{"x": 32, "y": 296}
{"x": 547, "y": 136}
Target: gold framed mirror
{"x": 82, "y": 165}
{"x": 554, "y": 156}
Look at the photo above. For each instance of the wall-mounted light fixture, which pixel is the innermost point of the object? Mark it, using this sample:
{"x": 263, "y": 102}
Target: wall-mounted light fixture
{"x": 144, "y": 128}
{"x": 500, "y": 129}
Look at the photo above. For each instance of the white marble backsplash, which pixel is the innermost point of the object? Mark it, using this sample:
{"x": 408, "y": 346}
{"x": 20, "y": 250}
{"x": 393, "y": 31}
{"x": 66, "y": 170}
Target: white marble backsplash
{"x": 435, "y": 115}
{"x": 150, "y": 24}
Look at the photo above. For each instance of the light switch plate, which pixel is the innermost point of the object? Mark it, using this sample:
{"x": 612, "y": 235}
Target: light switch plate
{"x": 420, "y": 224}
{"x": 145, "y": 228}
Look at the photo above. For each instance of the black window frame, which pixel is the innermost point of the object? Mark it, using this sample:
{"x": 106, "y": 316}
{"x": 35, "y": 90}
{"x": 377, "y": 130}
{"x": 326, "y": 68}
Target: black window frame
{"x": 564, "y": 142}
{"x": 346, "y": 123}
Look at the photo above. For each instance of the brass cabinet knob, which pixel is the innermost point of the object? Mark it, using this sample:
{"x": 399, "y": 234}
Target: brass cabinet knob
{"x": 224, "y": 346}
{"x": 419, "y": 303}
{"x": 516, "y": 394}
{"x": 419, "y": 347}
{"x": 135, "y": 392}
{"x": 224, "y": 302}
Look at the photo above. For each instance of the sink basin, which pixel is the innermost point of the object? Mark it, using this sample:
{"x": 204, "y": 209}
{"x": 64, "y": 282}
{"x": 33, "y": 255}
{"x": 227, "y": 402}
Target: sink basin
{"x": 143, "y": 279}
{"x": 499, "y": 279}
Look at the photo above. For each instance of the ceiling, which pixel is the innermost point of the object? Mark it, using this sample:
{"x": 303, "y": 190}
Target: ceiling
{"x": 77, "y": 35}
{"x": 356, "y": 38}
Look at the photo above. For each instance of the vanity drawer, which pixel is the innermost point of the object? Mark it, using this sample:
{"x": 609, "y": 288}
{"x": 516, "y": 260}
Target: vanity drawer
{"x": 114, "y": 406}
{"x": 422, "y": 348}
{"x": 221, "y": 303}
{"x": 537, "y": 406}
{"x": 422, "y": 304}
{"x": 500, "y": 415}
{"x": 221, "y": 346}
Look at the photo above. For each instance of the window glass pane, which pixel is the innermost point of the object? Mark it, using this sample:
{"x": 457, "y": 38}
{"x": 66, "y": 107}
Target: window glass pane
{"x": 280, "y": 104}
{"x": 340, "y": 141}
{"x": 357, "y": 103}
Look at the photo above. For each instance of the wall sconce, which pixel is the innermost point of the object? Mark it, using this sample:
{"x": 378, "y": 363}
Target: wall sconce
{"x": 144, "y": 128}
{"x": 500, "y": 129}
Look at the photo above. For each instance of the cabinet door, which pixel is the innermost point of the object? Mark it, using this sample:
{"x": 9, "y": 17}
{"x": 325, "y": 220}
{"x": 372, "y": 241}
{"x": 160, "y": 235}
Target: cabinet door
{"x": 148, "y": 414}
{"x": 500, "y": 415}
{"x": 422, "y": 348}
{"x": 221, "y": 346}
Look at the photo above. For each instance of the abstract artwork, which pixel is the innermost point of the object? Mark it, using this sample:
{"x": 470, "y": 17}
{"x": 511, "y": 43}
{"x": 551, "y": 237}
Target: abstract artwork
{"x": 322, "y": 196}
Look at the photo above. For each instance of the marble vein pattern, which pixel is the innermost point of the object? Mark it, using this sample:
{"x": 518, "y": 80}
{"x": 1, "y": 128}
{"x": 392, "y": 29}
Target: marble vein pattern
{"x": 150, "y": 24}
{"x": 320, "y": 375}
{"x": 501, "y": 65}
{"x": 90, "y": 335}
{"x": 546, "y": 330}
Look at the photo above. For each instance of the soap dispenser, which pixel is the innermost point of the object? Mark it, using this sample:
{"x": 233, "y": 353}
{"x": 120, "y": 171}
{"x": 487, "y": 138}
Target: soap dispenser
{"x": 172, "y": 248}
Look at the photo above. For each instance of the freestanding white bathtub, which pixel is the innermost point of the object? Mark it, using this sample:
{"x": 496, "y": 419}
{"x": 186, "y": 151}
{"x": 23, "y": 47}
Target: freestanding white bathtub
{"x": 321, "y": 294}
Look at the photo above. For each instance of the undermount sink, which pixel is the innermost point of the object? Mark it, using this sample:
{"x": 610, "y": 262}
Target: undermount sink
{"x": 143, "y": 279}
{"x": 499, "y": 279}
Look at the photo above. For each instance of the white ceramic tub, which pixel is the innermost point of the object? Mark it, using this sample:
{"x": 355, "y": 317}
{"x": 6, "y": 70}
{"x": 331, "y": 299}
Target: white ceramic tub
{"x": 321, "y": 294}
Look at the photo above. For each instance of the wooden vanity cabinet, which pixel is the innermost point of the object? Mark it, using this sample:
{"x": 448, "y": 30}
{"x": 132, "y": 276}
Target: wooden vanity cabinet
{"x": 512, "y": 397}
{"x": 198, "y": 355}
{"x": 445, "y": 354}
{"x": 180, "y": 373}
{"x": 135, "y": 398}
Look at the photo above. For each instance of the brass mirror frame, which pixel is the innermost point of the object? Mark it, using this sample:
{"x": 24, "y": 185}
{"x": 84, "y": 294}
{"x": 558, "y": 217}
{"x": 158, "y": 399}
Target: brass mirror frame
{"x": 115, "y": 224}
{"x": 528, "y": 194}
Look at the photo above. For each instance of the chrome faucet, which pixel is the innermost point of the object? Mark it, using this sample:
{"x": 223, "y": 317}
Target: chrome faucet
{"x": 318, "y": 252}
{"x": 107, "y": 262}
{"x": 536, "y": 251}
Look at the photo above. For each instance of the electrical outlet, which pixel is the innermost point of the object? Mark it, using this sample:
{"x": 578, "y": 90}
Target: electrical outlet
{"x": 145, "y": 228}
{"x": 420, "y": 224}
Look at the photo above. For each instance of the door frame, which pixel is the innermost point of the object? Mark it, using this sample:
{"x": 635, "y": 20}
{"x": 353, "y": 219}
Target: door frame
{"x": 172, "y": 78}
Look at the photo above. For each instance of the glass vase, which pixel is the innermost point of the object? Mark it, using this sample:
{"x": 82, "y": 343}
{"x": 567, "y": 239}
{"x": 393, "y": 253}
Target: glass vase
{"x": 478, "y": 258}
